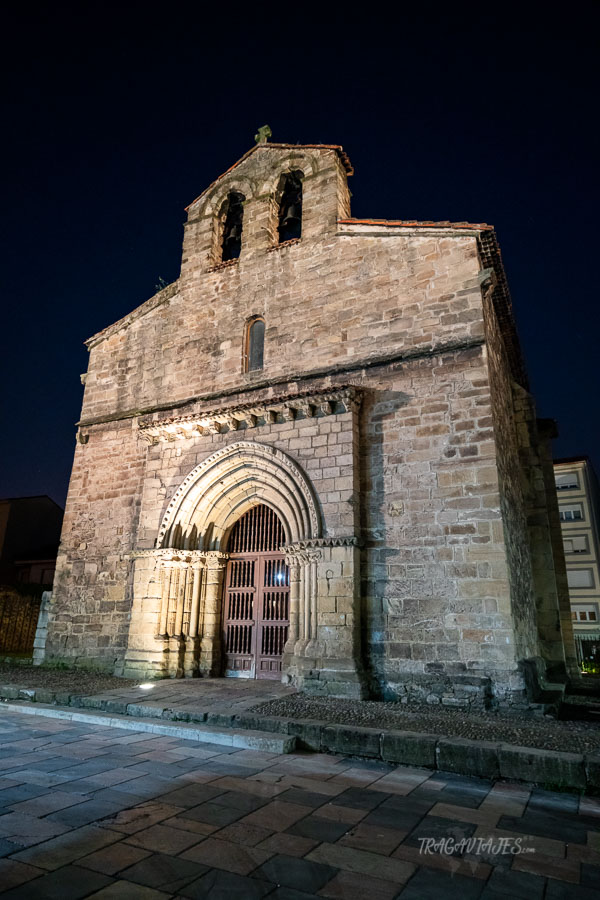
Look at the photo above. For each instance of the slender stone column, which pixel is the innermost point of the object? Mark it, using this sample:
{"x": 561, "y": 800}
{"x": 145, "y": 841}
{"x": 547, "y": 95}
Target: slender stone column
{"x": 180, "y": 599}
{"x": 313, "y": 649}
{"x": 166, "y": 575}
{"x": 172, "y": 598}
{"x": 313, "y": 559}
{"x": 307, "y": 604}
{"x": 197, "y": 568}
{"x": 192, "y": 644}
{"x": 175, "y": 620}
{"x": 294, "y": 565}
{"x": 210, "y": 646}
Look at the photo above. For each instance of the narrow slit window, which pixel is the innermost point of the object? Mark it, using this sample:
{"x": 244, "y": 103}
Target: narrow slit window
{"x": 290, "y": 208}
{"x": 232, "y": 227}
{"x": 255, "y": 348}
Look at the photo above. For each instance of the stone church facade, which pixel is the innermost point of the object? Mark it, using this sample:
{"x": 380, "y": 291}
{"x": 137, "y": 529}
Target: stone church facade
{"x": 315, "y": 457}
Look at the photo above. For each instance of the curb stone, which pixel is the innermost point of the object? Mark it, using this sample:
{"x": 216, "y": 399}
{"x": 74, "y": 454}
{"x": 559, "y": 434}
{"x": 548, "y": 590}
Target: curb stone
{"x": 248, "y": 740}
{"x": 410, "y": 748}
{"x": 479, "y": 757}
{"x": 484, "y": 759}
{"x": 549, "y": 766}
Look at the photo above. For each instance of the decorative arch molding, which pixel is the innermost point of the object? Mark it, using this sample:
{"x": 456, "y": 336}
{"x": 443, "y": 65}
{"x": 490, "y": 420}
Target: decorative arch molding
{"x": 223, "y": 487}
{"x": 308, "y": 164}
{"x": 214, "y": 200}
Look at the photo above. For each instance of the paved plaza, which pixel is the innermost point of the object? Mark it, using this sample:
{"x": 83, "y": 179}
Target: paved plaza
{"x": 95, "y": 811}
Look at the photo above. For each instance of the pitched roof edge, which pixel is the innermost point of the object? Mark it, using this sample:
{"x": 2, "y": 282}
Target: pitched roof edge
{"x": 489, "y": 252}
{"x": 147, "y": 306}
{"x": 401, "y": 223}
{"x": 267, "y": 146}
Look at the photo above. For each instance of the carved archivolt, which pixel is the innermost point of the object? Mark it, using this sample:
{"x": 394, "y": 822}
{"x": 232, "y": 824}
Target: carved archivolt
{"x": 223, "y": 487}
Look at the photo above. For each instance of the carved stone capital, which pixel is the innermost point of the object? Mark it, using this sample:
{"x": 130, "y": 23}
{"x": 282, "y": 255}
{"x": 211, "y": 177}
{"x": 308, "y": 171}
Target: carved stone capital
{"x": 316, "y": 543}
{"x": 215, "y": 560}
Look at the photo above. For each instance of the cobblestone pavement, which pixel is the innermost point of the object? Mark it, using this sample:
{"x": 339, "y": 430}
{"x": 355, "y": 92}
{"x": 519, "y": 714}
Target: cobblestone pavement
{"x": 232, "y": 695}
{"x": 91, "y": 811}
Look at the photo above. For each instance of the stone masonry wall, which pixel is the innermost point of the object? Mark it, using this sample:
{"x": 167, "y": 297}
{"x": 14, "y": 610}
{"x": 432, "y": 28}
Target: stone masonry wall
{"x": 323, "y": 446}
{"x": 534, "y": 467}
{"x": 89, "y": 616}
{"x": 431, "y": 477}
{"x": 334, "y": 298}
{"x": 512, "y": 483}
{"x": 436, "y": 594}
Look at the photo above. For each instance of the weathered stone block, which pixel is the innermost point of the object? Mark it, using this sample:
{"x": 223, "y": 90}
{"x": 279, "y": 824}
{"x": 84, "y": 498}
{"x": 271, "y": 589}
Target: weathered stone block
{"x": 116, "y": 706}
{"x": 277, "y": 724}
{"x": 26, "y": 694}
{"x": 9, "y": 691}
{"x": 592, "y": 771}
{"x": 409, "y": 748}
{"x": 222, "y": 720}
{"x": 308, "y": 732}
{"x": 145, "y": 710}
{"x": 92, "y": 703}
{"x": 63, "y": 698}
{"x": 352, "y": 741}
{"x": 563, "y": 770}
{"x": 478, "y": 758}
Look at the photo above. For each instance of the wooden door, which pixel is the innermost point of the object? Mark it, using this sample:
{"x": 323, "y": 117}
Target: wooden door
{"x": 256, "y": 597}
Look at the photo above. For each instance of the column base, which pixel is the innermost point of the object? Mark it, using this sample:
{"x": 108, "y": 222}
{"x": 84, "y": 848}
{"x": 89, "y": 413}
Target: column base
{"x": 326, "y": 678}
{"x": 190, "y": 657}
{"x": 145, "y": 665}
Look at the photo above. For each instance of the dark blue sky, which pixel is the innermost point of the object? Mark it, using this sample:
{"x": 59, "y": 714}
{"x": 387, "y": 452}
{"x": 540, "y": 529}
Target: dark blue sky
{"x": 115, "y": 119}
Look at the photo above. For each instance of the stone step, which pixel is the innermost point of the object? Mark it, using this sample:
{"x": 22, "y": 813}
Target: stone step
{"x": 228, "y": 737}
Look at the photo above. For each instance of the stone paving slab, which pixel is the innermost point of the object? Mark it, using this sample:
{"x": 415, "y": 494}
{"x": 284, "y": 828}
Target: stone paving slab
{"x": 245, "y": 824}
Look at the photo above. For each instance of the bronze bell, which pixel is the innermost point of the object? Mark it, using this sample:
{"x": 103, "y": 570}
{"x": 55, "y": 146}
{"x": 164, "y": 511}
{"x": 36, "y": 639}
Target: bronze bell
{"x": 234, "y": 234}
{"x": 292, "y": 215}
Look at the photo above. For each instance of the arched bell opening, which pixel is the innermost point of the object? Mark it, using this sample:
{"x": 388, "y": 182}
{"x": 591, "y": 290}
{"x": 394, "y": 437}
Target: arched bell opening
{"x": 256, "y": 596}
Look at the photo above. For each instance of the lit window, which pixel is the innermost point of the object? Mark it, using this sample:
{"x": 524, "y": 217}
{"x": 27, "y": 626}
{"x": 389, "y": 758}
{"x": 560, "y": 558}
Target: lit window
{"x": 587, "y": 613}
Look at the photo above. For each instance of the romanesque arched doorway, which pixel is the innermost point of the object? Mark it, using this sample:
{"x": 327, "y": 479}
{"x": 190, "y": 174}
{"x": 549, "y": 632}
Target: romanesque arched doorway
{"x": 255, "y": 596}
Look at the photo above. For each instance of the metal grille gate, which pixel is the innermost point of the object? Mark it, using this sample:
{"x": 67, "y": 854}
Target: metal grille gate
{"x": 256, "y": 602}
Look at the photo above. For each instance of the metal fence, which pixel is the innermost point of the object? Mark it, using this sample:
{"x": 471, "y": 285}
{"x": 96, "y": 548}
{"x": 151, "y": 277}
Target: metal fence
{"x": 18, "y": 621}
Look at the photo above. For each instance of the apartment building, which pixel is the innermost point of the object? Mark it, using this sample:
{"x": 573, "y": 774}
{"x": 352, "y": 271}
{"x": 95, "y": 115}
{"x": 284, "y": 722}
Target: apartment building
{"x": 579, "y": 508}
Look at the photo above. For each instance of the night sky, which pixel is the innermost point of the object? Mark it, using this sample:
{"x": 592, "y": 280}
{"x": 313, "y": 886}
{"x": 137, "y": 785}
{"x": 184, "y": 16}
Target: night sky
{"x": 116, "y": 118}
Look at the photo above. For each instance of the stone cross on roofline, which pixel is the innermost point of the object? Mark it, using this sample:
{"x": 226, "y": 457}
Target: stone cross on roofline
{"x": 263, "y": 134}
